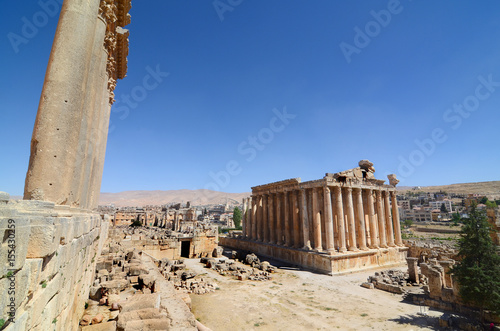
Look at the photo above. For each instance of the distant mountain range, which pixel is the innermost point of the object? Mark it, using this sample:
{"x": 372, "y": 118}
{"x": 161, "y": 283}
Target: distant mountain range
{"x": 491, "y": 189}
{"x": 195, "y": 197}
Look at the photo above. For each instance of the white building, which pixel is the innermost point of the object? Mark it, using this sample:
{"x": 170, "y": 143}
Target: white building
{"x": 437, "y": 205}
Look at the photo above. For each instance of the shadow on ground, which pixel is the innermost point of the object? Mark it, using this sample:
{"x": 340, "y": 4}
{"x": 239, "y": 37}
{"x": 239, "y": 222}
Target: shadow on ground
{"x": 431, "y": 322}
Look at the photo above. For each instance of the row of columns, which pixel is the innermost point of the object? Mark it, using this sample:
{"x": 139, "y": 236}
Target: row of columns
{"x": 347, "y": 219}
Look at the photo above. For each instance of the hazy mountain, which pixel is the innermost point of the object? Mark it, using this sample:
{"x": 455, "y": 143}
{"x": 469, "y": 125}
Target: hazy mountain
{"x": 196, "y": 197}
{"x": 491, "y": 189}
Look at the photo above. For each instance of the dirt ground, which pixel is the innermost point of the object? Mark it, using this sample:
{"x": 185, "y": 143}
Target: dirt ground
{"x": 302, "y": 300}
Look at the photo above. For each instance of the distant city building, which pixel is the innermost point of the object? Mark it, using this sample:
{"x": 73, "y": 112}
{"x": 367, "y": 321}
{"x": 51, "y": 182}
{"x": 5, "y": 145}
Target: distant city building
{"x": 437, "y": 204}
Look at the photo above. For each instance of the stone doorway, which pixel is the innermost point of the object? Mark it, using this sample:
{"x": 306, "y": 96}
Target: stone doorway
{"x": 185, "y": 248}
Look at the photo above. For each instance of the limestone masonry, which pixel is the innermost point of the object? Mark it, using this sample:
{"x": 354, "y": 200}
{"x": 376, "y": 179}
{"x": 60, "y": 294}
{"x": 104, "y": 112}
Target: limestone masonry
{"x": 55, "y": 254}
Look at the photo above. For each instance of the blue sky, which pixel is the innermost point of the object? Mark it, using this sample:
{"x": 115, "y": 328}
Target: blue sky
{"x": 251, "y": 92}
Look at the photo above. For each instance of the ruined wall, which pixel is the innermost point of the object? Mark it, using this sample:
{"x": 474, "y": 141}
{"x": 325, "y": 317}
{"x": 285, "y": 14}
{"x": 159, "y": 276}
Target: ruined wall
{"x": 443, "y": 290}
{"x": 424, "y": 251}
{"x": 45, "y": 278}
{"x": 160, "y": 244}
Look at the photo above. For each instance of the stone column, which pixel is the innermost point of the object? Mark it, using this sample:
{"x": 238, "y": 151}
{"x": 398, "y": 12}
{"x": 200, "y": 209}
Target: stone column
{"x": 305, "y": 221}
{"x": 100, "y": 148}
{"x": 265, "y": 219}
{"x": 287, "y": 219}
{"x": 295, "y": 216}
{"x": 339, "y": 211}
{"x": 448, "y": 281}
{"x": 316, "y": 221}
{"x": 388, "y": 221}
{"x": 279, "y": 219}
{"x": 87, "y": 149}
{"x": 244, "y": 225}
{"x": 350, "y": 220}
{"x": 254, "y": 217}
{"x": 56, "y": 134}
{"x": 373, "y": 221}
{"x": 330, "y": 248}
{"x": 271, "y": 219}
{"x": 413, "y": 269}
{"x": 260, "y": 219}
{"x": 249, "y": 218}
{"x": 360, "y": 214}
{"x": 395, "y": 219}
{"x": 381, "y": 220}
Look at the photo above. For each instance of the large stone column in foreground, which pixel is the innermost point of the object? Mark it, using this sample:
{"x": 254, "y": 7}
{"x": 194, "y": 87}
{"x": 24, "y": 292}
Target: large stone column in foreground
{"x": 70, "y": 133}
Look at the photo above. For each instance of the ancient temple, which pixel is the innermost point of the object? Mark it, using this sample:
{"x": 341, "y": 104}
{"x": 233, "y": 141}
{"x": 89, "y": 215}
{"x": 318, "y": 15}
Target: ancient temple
{"x": 342, "y": 222}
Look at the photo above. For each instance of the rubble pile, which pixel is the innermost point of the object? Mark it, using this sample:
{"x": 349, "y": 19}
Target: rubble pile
{"x": 128, "y": 293}
{"x": 184, "y": 280}
{"x": 259, "y": 271}
{"x": 196, "y": 286}
{"x": 143, "y": 233}
{"x": 393, "y": 281}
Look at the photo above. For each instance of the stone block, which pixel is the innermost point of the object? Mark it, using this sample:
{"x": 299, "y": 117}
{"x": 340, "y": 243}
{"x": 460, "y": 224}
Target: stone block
{"x": 4, "y": 299}
{"x": 40, "y": 300}
{"x": 141, "y": 314}
{"x": 107, "y": 326}
{"x": 86, "y": 319}
{"x": 42, "y": 240}
{"x": 147, "y": 280}
{"x": 67, "y": 230}
{"x": 36, "y": 206}
{"x": 20, "y": 324}
{"x": 368, "y": 285}
{"x": 14, "y": 244}
{"x": 27, "y": 280}
{"x": 4, "y": 197}
{"x": 51, "y": 265}
{"x": 119, "y": 275}
{"x": 141, "y": 301}
{"x": 136, "y": 270}
{"x": 115, "y": 286}
{"x": 148, "y": 324}
{"x": 95, "y": 293}
{"x": 104, "y": 264}
{"x": 97, "y": 319}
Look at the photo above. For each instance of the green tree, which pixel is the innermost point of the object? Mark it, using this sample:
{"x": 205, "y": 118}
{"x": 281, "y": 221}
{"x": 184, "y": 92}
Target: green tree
{"x": 408, "y": 223}
{"x": 491, "y": 204}
{"x": 483, "y": 200}
{"x": 443, "y": 209}
{"x": 478, "y": 269}
{"x": 455, "y": 218}
{"x": 237, "y": 217}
